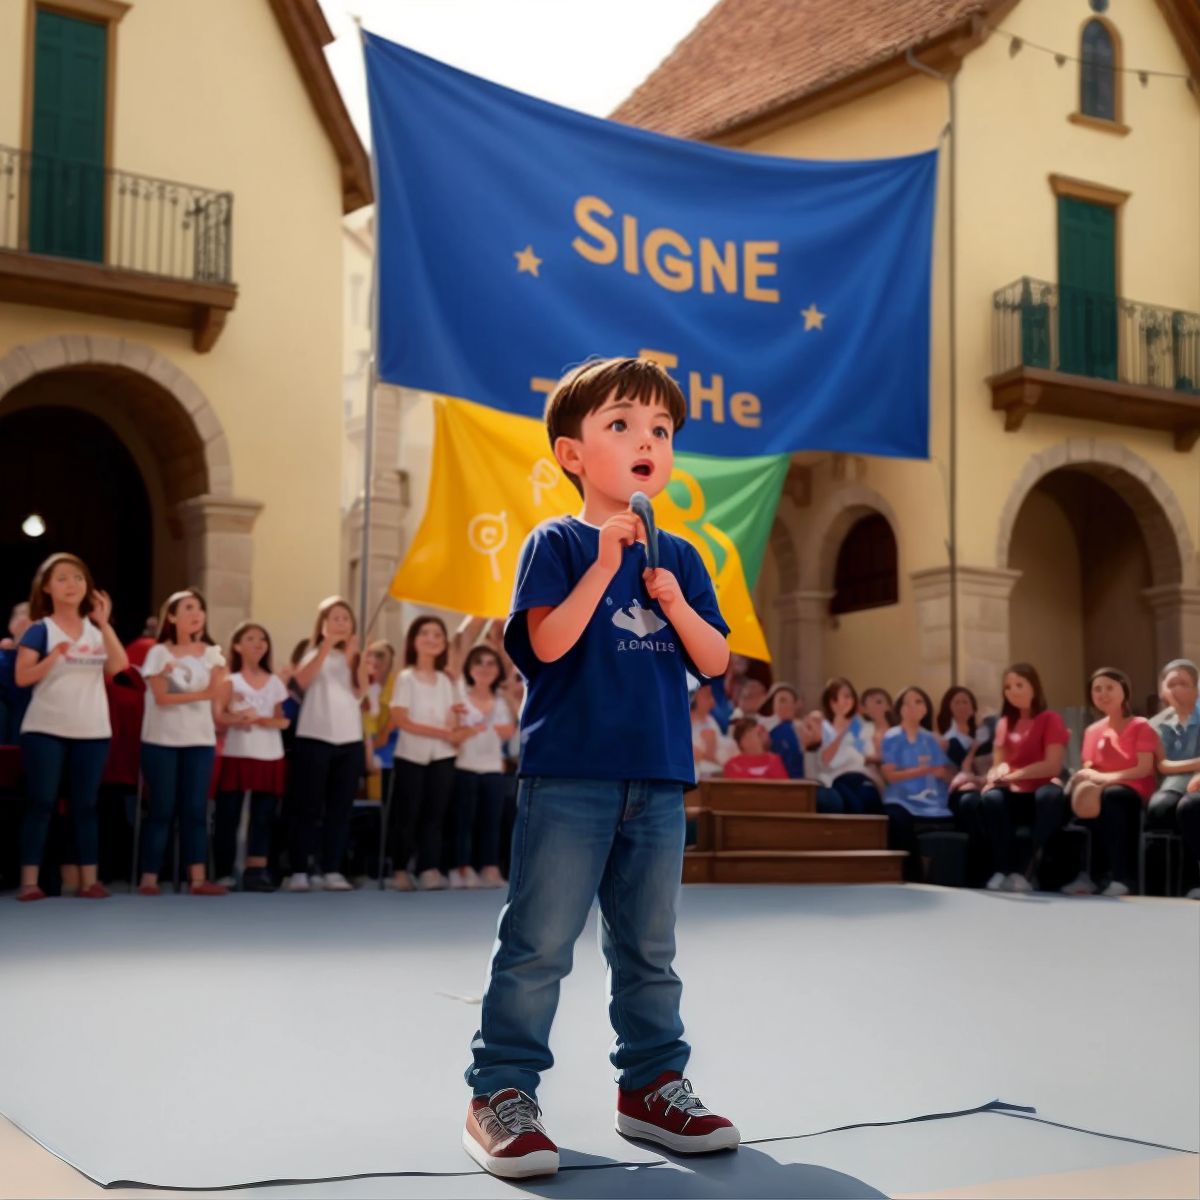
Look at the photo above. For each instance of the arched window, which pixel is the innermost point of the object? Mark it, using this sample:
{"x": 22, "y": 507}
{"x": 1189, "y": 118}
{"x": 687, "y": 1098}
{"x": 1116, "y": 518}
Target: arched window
{"x": 865, "y": 576}
{"x": 1097, "y": 72}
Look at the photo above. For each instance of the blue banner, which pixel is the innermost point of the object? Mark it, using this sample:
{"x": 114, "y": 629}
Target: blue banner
{"x": 789, "y": 298}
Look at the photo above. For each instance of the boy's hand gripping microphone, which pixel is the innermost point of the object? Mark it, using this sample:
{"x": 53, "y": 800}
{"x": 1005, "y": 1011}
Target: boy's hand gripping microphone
{"x": 639, "y": 503}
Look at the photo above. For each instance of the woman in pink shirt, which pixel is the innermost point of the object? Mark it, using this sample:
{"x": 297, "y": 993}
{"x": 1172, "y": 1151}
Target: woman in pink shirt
{"x": 1022, "y": 786}
{"x": 1118, "y": 773}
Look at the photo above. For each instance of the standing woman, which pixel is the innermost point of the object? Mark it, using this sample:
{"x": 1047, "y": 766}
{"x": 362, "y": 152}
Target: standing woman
{"x": 1022, "y": 786}
{"x": 251, "y": 711}
{"x": 63, "y": 656}
{"x": 1118, "y": 775}
{"x": 423, "y": 769}
{"x": 184, "y": 674}
{"x": 327, "y": 759}
{"x": 479, "y": 770}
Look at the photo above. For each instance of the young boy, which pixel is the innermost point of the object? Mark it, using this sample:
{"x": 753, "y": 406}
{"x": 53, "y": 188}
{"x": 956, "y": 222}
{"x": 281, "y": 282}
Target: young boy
{"x": 606, "y": 752}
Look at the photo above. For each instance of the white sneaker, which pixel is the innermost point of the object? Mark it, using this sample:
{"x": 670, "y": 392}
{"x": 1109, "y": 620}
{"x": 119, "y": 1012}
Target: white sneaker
{"x": 297, "y": 882}
{"x": 317, "y": 881}
{"x": 432, "y": 881}
{"x": 1081, "y": 885}
{"x": 335, "y": 881}
{"x": 997, "y": 882}
{"x": 1194, "y": 894}
{"x": 470, "y": 879}
{"x": 1018, "y": 883}
{"x": 400, "y": 883}
{"x": 490, "y": 877}
{"x": 1116, "y": 888}
{"x": 456, "y": 879}
{"x": 228, "y": 881}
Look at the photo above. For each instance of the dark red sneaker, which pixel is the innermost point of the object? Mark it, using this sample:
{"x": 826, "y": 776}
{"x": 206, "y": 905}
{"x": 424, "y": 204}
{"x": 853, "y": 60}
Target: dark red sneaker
{"x": 93, "y": 891}
{"x": 504, "y": 1135}
{"x": 670, "y": 1113}
{"x": 207, "y": 888}
{"x": 26, "y": 894}
{"x": 149, "y": 889}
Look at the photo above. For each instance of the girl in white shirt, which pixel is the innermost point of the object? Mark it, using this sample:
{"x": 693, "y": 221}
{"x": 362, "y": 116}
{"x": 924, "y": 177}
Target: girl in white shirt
{"x": 64, "y": 655}
{"x": 327, "y": 757}
{"x": 184, "y": 673}
{"x": 251, "y": 712}
{"x": 423, "y": 768}
{"x": 486, "y": 724}
{"x": 848, "y": 743}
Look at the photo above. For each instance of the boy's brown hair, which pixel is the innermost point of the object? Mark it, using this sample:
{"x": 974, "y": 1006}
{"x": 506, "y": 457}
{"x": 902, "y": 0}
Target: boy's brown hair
{"x": 584, "y": 389}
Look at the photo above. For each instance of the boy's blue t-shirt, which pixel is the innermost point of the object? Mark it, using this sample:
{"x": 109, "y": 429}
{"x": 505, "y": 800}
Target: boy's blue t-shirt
{"x": 615, "y": 706}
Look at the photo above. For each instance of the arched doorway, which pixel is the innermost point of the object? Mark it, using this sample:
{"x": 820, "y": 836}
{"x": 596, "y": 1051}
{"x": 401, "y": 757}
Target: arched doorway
{"x": 69, "y": 468}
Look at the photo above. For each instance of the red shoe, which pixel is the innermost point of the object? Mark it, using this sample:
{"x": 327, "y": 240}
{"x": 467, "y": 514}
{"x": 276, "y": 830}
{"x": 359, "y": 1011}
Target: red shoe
{"x": 504, "y": 1135}
{"x": 207, "y": 888}
{"x": 149, "y": 889}
{"x": 32, "y": 893}
{"x": 94, "y": 891}
{"x": 667, "y": 1111}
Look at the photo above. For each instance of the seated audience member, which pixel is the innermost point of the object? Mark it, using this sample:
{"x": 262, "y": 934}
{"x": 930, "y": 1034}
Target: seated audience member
{"x": 1120, "y": 754}
{"x": 754, "y": 759}
{"x": 916, "y": 770}
{"x": 846, "y": 742}
{"x": 751, "y": 696}
{"x": 706, "y": 734}
{"x": 875, "y": 707}
{"x": 1173, "y": 806}
{"x": 1022, "y": 786}
{"x": 961, "y": 734}
{"x": 778, "y": 715}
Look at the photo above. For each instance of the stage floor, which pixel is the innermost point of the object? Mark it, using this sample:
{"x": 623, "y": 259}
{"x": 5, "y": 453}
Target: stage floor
{"x": 211, "y": 1043}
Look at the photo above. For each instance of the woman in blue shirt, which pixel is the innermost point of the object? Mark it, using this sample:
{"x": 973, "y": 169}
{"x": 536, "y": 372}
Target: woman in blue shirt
{"x": 916, "y": 770}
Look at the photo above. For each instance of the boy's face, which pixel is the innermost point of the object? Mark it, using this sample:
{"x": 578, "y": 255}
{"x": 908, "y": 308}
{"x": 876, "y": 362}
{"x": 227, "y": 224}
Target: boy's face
{"x": 623, "y": 447}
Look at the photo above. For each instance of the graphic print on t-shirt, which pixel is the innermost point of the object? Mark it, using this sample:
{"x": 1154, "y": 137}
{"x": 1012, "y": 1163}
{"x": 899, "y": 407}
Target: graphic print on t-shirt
{"x": 186, "y": 675}
{"x": 641, "y": 622}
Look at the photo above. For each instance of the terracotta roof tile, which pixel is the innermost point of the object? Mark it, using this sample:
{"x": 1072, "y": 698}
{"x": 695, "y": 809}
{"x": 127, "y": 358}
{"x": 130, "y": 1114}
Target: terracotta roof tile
{"x": 747, "y": 58}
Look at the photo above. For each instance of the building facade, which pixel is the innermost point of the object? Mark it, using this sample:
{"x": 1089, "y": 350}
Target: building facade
{"x": 174, "y": 180}
{"x": 1057, "y": 518}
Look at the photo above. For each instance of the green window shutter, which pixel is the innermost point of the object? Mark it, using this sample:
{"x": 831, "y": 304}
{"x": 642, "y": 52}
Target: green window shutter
{"x": 1087, "y": 283}
{"x": 70, "y": 77}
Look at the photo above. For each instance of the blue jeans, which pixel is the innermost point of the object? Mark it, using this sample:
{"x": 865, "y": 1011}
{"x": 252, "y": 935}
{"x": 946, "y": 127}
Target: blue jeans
{"x": 176, "y": 775}
{"x": 575, "y": 838}
{"x": 44, "y": 756}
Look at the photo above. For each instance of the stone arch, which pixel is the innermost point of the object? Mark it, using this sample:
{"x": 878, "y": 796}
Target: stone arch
{"x": 203, "y": 533}
{"x": 829, "y": 526}
{"x": 1172, "y": 552}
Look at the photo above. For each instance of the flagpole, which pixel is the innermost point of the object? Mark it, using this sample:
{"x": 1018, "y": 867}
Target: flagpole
{"x": 364, "y": 571}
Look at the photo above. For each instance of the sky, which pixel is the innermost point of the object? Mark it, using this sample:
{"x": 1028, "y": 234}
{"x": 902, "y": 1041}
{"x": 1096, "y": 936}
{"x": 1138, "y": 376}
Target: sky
{"x": 577, "y": 53}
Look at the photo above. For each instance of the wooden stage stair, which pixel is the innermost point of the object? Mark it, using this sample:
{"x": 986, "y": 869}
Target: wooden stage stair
{"x": 768, "y": 831}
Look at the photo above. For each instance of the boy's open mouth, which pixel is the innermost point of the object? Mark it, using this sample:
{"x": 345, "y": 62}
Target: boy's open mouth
{"x": 643, "y": 470}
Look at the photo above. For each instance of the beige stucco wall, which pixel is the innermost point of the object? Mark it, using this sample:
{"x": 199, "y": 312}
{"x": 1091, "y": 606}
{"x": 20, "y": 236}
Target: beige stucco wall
{"x": 208, "y": 94}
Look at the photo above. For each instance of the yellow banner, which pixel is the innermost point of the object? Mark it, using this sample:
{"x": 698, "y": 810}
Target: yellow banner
{"x": 493, "y": 480}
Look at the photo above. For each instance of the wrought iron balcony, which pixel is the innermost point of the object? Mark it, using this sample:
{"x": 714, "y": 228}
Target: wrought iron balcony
{"x": 86, "y": 237}
{"x": 1087, "y": 354}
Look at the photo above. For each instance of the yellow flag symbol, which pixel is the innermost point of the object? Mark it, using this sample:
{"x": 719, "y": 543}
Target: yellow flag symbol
{"x": 494, "y": 479}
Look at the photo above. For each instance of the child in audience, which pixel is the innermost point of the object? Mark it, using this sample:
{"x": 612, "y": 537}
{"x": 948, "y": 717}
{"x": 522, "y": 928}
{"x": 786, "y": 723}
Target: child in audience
{"x": 250, "y": 709}
{"x": 1120, "y": 753}
{"x": 486, "y": 724}
{"x": 916, "y": 770}
{"x": 750, "y": 698}
{"x": 1022, "y": 785}
{"x": 962, "y": 735}
{"x": 327, "y": 759}
{"x": 847, "y": 742}
{"x": 377, "y": 714}
{"x": 778, "y": 715}
{"x": 754, "y": 759}
{"x": 422, "y": 709}
{"x": 63, "y": 656}
{"x": 185, "y": 674}
{"x": 875, "y": 707}
{"x": 706, "y": 734}
{"x": 1172, "y": 807}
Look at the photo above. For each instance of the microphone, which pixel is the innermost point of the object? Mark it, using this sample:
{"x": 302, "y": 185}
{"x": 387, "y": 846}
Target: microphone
{"x": 639, "y": 503}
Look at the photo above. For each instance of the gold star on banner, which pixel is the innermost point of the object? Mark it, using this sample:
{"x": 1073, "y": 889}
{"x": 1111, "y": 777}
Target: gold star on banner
{"x": 813, "y": 317}
{"x": 527, "y": 261}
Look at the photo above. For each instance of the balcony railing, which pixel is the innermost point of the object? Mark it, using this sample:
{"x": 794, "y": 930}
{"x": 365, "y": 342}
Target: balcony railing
{"x": 89, "y": 213}
{"x": 1078, "y": 332}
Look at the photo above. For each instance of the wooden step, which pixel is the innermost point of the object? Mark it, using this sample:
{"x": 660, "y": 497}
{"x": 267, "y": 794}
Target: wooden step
{"x": 801, "y": 866}
{"x": 757, "y": 795}
{"x": 794, "y": 831}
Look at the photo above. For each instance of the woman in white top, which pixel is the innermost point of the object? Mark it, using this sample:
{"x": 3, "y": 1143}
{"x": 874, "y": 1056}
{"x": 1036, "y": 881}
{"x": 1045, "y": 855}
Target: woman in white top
{"x": 184, "y": 673}
{"x": 251, "y": 712}
{"x": 423, "y": 768}
{"x": 706, "y": 734}
{"x": 847, "y": 744}
{"x": 64, "y": 655}
{"x": 327, "y": 757}
{"x": 486, "y": 724}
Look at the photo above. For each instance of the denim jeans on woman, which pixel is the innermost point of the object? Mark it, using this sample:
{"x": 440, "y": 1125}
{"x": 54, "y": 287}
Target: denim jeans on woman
{"x": 176, "y": 776}
{"x": 575, "y": 838}
{"x": 45, "y": 757}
